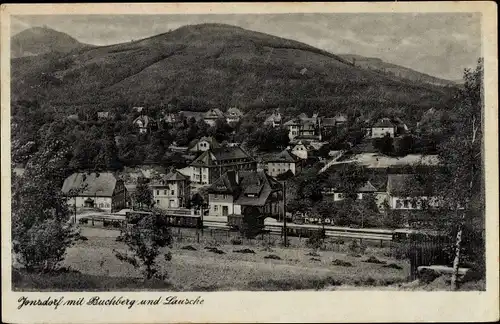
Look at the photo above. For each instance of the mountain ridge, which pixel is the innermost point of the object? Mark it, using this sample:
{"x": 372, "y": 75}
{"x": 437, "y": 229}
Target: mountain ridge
{"x": 212, "y": 65}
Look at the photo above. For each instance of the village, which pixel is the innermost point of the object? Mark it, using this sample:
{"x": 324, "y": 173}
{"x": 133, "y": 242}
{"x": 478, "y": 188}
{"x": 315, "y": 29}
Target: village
{"x": 222, "y": 181}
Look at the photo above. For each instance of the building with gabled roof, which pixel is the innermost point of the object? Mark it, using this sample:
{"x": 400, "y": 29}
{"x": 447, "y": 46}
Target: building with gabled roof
{"x": 95, "y": 190}
{"x": 144, "y": 124}
{"x": 303, "y": 127}
{"x": 283, "y": 162}
{"x": 382, "y": 127}
{"x": 211, "y": 116}
{"x": 171, "y": 190}
{"x": 203, "y": 144}
{"x": 236, "y": 191}
{"x": 274, "y": 119}
{"x": 211, "y": 164}
{"x": 233, "y": 115}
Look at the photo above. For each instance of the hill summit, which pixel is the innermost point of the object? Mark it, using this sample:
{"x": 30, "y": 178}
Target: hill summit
{"x": 198, "y": 67}
{"x": 42, "y": 40}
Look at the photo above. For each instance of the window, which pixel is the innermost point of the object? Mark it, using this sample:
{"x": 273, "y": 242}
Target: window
{"x": 157, "y": 201}
{"x": 164, "y": 192}
{"x": 398, "y": 203}
{"x": 172, "y": 192}
{"x": 157, "y": 192}
{"x": 216, "y": 196}
{"x": 407, "y": 203}
{"x": 216, "y": 208}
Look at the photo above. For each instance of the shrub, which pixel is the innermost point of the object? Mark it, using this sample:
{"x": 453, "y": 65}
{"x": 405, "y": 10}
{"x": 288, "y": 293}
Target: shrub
{"x": 215, "y": 250}
{"x": 272, "y": 256}
{"x": 373, "y": 259}
{"x": 316, "y": 240}
{"x": 188, "y": 247}
{"x": 44, "y": 245}
{"x": 341, "y": 263}
{"x": 313, "y": 254}
{"x": 356, "y": 248}
{"x": 145, "y": 239}
{"x": 245, "y": 251}
{"x": 315, "y": 259}
{"x": 393, "y": 266}
{"x": 236, "y": 241}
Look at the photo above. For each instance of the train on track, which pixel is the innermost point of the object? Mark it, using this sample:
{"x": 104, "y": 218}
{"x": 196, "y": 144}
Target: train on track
{"x": 185, "y": 220}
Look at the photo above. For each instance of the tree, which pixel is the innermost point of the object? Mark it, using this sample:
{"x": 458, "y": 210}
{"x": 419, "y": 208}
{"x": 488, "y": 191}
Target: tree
{"x": 143, "y": 194}
{"x": 459, "y": 180}
{"x": 384, "y": 144}
{"x": 41, "y": 231}
{"x": 144, "y": 238}
{"x": 461, "y": 156}
{"x": 347, "y": 178}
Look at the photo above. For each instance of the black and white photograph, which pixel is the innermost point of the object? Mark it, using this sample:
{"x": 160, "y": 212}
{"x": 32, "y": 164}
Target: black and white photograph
{"x": 246, "y": 152}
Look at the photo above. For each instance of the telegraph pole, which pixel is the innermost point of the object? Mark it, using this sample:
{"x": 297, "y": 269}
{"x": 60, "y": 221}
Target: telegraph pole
{"x": 285, "y": 243}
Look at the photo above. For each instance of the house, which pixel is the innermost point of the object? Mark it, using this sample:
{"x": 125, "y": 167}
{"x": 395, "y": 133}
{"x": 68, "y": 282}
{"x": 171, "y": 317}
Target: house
{"x": 376, "y": 186}
{"x": 304, "y": 127}
{"x": 211, "y": 164}
{"x": 332, "y": 122}
{"x": 169, "y": 118}
{"x": 105, "y": 115}
{"x": 300, "y": 150}
{"x": 405, "y": 192}
{"x": 203, "y": 144}
{"x": 236, "y": 192}
{"x": 274, "y": 119}
{"x": 144, "y": 124}
{"x": 98, "y": 190}
{"x": 211, "y": 116}
{"x": 382, "y": 127}
{"x": 197, "y": 115}
{"x": 283, "y": 162}
{"x": 233, "y": 115}
{"x": 171, "y": 190}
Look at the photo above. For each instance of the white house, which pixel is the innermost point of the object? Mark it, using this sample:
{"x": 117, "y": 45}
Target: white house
{"x": 171, "y": 190}
{"x": 233, "y": 115}
{"x": 95, "y": 190}
{"x": 300, "y": 150}
{"x": 383, "y": 127}
{"x": 404, "y": 192}
{"x": 203, "y": 144}
{"x": 282, "y": 163}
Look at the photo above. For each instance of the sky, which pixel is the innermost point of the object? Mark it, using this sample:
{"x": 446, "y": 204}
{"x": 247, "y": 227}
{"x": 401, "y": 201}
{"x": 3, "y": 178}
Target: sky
{"x": 439, "y": 44}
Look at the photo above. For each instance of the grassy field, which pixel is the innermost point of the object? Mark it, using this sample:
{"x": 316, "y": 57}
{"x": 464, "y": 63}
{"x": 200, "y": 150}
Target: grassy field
{"x": 194, "y": 270}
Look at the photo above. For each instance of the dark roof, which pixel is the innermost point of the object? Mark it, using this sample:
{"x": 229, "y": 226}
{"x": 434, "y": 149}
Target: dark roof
{"x": 249, "y": 188}
{"x": 283, "y": 156}
{"x": 213, "y": 142}
{"x": 222, "y": 154}
{"x": 192, "y": 114}
{"x": 408, "y": 184}
{"x": 252, "y": 182}
{"x": 214, "y": 113}
{"x": 91, "y": 184}
{"x": 233, "y": 111}
{"x": 225, "y": 184}
{"x": 384, "y": 122}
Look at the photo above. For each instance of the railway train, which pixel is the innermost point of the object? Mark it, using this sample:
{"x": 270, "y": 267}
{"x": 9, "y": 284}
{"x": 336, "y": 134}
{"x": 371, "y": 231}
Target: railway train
{"x": 292, "y": 229}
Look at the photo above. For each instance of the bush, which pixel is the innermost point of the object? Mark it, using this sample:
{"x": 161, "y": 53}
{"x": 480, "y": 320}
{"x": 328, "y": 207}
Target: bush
{"x": 341, "y": 263}
{"x": 373, "y": 259}
{"x": 215, "y": 250}
{"x": 356, "y": 248}
{"x": 245, "y": 251}
{"x": 236, "y": 241}
{"x": 393, "y": 266}
{"x": 313, "y": 254}
{"x": 315, "y": 259}
{"x": 272, "y": 256}
{"x": 188, "y": 247}
{"x": 44, "y": 245}
{"x": 316, "y": 240}
{"x": 145, "y": 239}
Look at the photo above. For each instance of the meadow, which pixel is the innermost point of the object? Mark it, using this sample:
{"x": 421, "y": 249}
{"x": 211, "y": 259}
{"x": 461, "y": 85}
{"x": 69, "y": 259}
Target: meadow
{"x": 91, "y": 265}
